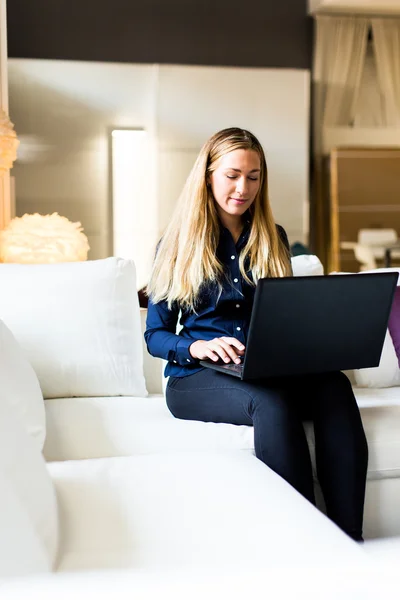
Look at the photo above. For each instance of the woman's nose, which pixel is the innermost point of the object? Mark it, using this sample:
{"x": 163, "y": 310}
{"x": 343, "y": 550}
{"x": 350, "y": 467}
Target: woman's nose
{"x": 241, "y": 186}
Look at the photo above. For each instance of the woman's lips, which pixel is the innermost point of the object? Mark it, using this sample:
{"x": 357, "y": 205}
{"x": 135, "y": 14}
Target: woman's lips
{"x": 239, "y": 200}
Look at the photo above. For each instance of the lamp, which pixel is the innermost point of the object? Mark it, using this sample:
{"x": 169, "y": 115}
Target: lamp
{"x": 43, "y": 239}
{"x": 8, "y": 143}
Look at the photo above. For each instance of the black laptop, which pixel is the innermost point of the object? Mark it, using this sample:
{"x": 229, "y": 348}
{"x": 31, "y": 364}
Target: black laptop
{"x": 316, "y": 324}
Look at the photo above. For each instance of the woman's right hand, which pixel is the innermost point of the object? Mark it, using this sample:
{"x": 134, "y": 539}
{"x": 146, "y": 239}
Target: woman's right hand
{"x": 228, "y": 349}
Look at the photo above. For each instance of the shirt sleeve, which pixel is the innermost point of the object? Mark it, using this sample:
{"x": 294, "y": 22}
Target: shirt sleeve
{"x": 160, "y": 334}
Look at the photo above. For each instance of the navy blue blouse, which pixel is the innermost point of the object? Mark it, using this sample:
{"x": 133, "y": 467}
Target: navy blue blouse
{"x": 219, "y": 312}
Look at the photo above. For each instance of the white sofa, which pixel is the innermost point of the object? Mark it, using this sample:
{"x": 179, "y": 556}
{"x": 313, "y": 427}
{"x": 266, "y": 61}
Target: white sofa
{"x": 127, "y": 486}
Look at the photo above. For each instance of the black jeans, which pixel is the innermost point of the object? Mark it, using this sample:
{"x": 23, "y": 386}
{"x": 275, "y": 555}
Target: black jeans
{"x": 276, "y": 409}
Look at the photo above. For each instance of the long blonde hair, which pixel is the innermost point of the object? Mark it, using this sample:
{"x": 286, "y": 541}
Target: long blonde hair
{"x": 187, "y": 254}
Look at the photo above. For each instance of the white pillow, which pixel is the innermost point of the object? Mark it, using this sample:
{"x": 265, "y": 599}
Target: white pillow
{"x": 24, "y": 479}
{"x": 78, "y": 324}
{"x": 306, "y": 264}
{"x": 20, "y": 387}
{"x": 387, "y": 374}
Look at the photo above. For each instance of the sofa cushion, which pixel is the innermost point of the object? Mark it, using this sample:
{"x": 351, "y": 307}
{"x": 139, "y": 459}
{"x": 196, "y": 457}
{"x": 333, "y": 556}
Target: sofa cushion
{"x": 20, "y": 387}
{"x": 27, "y": 484}
{"x": 380, "y": 413}
{"x": 100, "y": 427}
{"x": 79, "y": 325}
{"x": 386, "y": 375}
{"x": 372, "y": 581}
{"x": 386, "y": 551}
{"x": 192, "y": 510}
{"x": 21, "y": 550}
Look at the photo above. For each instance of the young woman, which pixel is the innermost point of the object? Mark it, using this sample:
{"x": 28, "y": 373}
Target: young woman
{"x": 222, "y": 238}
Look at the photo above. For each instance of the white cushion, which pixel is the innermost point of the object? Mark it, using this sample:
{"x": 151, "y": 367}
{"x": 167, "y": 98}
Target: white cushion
{"x": 21, "y": 550}
{"x": 99, "y": 427}
{"x": 380, "y": 412}
{"x": 20, "y": 387}
{"x": 81, "y": 428}
{"x": 24, "y": 470}
{"x": 385, "y": 552}
{"x": 306, "y": 264}
{"x": 372, "y": 580}
{"x": 192, "y": 510}
{"x": 387, "y": 374}
{"x": 79, "y": 325}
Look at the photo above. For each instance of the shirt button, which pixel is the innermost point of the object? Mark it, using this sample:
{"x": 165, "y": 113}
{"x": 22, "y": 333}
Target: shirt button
{"x": 237, "y": 305}
{"x": 175, "y": 361}
{"x": 235, "y": 280}
{"x": 233, "y": 257}
{"x": 237, "y": 328}
{"x": 188, "y": 359}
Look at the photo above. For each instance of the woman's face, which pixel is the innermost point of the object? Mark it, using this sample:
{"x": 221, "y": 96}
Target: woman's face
{"x": 235, "y": 182}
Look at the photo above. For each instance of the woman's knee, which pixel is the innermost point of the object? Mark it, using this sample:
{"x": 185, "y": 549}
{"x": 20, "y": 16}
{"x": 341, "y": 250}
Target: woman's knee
{"x": 273, "y": 403}
{"x": 335, "y": 386}
{"x": 336, "y": 379}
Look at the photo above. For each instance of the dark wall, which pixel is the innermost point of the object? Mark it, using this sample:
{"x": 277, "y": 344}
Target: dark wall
{"x": 259, "y": 33}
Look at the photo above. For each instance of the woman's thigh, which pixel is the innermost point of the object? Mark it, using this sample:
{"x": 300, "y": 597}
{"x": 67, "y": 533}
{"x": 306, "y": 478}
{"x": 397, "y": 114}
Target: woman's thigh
{"x": 213, "y": 396}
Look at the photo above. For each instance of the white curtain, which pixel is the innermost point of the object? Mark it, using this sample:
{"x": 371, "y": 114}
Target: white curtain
{"x": 386, "y": 35}
{"x": 369, "y": 109}
{"x": 339, "y": 54}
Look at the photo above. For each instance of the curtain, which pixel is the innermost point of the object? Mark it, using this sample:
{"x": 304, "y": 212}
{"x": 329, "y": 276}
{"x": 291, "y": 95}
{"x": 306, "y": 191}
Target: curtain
{"x": 369, "y": 110}
{"x": 386, "y": 35}
{"x": 339, "y": 53}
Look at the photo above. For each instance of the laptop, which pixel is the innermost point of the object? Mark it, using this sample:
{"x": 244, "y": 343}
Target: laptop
{"x": 315, "y": 324}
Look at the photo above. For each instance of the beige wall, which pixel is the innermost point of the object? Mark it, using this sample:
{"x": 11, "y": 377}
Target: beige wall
{"x": 63, "y": 111}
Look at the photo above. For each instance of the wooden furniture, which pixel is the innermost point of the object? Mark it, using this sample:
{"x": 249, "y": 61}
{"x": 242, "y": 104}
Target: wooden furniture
{"x": 364, "y": 194}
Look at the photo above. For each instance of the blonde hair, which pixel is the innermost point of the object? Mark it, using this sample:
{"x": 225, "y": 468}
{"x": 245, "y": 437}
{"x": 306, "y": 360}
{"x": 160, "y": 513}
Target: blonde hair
{"x": 187, "y": 253}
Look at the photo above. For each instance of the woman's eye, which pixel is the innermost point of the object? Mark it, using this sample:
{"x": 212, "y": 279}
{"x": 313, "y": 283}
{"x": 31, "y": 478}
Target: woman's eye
{"x": 253, "y": 178}
{"x": 231, "y": 176}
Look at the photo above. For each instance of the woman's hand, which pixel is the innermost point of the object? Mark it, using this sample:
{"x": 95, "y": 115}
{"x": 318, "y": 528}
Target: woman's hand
{"x": 228, "y": 349}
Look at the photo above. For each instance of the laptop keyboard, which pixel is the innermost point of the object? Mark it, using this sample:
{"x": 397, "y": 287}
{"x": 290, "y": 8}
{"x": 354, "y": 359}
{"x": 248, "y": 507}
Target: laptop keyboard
{"x": 233, "y": 367}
